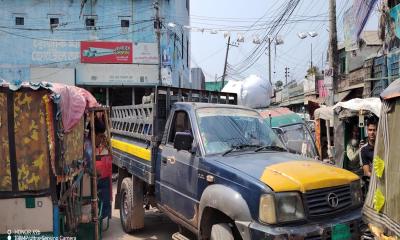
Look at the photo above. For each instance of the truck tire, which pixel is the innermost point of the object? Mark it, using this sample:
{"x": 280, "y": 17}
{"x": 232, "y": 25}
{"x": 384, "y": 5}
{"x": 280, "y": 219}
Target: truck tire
{"x": 132, "y": 211}
{"x": 221, "y": 231}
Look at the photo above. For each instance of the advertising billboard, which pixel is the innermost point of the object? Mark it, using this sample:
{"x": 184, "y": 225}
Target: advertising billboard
{"x": 106, "y": 52}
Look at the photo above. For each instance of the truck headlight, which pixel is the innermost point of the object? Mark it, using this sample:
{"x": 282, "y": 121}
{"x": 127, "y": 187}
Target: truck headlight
{"x": 281, "y": 207}
{"x": 356, "y": 192}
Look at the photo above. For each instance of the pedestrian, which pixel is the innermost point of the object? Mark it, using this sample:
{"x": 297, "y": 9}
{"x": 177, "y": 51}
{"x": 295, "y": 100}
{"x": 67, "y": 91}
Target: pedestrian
{"x": 367, "y": 151}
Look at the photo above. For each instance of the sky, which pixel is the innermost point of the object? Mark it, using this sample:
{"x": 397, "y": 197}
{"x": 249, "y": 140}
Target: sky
{"x": 208, "y": 48}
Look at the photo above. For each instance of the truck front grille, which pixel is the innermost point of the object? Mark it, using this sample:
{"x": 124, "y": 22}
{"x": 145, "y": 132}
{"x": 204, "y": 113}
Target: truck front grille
{"x": 322, "y": 201}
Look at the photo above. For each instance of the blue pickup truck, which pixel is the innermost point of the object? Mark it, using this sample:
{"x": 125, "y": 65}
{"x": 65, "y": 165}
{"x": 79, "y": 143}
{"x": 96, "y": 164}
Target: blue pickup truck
{"x": 219, "y": 171}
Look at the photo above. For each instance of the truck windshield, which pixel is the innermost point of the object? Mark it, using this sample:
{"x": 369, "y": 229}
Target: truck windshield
{"x": 223, "y": 129}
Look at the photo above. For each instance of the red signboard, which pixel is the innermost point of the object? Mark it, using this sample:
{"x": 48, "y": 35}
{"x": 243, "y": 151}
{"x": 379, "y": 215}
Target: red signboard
{"x": 106, "y": 52}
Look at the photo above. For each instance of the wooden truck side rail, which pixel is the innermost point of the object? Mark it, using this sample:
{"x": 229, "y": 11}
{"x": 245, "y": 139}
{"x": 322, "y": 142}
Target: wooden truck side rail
{"x": 138, "y": 129}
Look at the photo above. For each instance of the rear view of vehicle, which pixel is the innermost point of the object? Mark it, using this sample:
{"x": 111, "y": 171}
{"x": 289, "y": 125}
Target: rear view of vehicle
{"x": 48, "y": 178}
{"x": 292, "y": 130}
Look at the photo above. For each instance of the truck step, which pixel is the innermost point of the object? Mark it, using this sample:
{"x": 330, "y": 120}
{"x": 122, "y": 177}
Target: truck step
{"x": 179, "y": 236}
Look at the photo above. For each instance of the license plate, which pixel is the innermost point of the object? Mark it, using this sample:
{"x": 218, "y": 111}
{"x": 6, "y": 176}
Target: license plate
{"x": 341, "y": 232}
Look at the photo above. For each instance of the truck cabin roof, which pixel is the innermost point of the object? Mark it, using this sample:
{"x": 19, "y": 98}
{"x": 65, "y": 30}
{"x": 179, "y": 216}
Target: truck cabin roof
{"x": 197, "y": 105}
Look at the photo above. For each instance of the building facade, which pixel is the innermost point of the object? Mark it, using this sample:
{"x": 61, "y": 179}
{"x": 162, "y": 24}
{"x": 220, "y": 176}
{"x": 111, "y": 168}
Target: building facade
{"x": 198, "y": 79}
{"x": 355, "y": 67}
{"x": 109, "y": 47}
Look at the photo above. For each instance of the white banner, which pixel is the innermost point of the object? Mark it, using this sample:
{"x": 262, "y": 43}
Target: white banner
{"x": 145, "y": 53}
{"x": 116, "y": 74}
{"x": 328, "y": 77}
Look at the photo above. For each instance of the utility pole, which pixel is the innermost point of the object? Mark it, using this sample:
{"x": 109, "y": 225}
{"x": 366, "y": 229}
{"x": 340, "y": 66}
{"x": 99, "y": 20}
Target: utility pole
{"x": 269, "y": 61}
{"x": 158, "y": 33}
{"x": 311, "y": 59}
{"x": 333, "y": 50}
{"x": 226, "y": 62}
{"x": 286, "y": 82}
{"x": 286, "y": 75}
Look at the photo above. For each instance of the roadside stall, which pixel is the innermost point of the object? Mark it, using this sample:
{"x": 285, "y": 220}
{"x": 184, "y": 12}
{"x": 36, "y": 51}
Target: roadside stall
{"x": 323, "y": 117}
{"x": 292, "y": 130}
{"x": 350, "y": 118}
{"x": 48, "y": 168}
{"x": 382, "y": 208}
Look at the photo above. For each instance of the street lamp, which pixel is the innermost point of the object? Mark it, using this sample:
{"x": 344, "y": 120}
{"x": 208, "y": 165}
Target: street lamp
{"x": 303, "y": 35}
{"x": 171, "y": 25}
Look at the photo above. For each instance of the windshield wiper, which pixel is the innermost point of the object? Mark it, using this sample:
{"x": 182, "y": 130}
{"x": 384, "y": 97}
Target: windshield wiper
{"x": 271, "y": 147}
{"x": 240, "y": 147}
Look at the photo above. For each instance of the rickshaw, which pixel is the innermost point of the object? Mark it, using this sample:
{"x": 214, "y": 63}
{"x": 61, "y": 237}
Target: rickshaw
{"x": 54, "y": 181}
{"x": 323, "y": 118}
{"x": 382, "y": 209}
{"x": 347, "y": 116}
{"x": 292, "y": 130}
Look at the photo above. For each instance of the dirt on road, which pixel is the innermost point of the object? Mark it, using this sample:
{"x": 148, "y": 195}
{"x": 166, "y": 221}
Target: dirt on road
{"x": 157, "y": 226}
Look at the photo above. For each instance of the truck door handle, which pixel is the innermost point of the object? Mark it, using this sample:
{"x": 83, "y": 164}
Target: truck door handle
{"x": 169, "y": 159}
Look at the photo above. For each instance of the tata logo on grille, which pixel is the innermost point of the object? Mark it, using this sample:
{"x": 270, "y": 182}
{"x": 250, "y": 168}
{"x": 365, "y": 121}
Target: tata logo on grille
{"x": 333, "y": 200}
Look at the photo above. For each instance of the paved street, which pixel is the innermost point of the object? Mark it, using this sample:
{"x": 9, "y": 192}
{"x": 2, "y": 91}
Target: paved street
{"x": 157, "y": 226}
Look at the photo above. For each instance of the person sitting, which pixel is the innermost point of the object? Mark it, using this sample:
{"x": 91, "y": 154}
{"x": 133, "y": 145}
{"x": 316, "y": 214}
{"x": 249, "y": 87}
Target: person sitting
{"x": 353, "y": 152}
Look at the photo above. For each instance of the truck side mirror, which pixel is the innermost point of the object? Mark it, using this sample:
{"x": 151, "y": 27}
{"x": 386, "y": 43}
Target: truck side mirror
{"x": 183, "y": 141}
{"x": 281, "y": 134}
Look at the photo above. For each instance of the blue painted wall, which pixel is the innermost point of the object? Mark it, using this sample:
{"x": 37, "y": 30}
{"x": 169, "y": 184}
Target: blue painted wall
{"x": 35, "y": 44}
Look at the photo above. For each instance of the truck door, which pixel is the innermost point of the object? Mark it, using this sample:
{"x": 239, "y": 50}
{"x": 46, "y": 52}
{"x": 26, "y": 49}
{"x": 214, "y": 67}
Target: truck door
{"x": 178, "y": 171}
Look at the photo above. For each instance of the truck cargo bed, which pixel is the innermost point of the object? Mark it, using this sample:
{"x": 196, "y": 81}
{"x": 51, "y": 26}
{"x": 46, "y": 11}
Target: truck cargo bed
{"x": 138, "y": 129}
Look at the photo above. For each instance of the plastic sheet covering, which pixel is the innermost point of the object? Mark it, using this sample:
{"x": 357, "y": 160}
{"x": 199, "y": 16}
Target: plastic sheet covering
{"x": 5, "y": 174}
{"x": 73, "y": 102}
{"x": 324, "y": 112}
{"x": 252, "y": 92}
{"x": 32, "y": 154}
{"x": 386, "y": 148}
{"x": 280, "y": 116}
{"x": 392, "y": 91}
{"x": 73, "y": 143}
{"x": 370, "y": 104}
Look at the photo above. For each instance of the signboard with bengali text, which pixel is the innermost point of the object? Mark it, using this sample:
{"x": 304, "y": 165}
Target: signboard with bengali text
{"x": 106, "y": 52}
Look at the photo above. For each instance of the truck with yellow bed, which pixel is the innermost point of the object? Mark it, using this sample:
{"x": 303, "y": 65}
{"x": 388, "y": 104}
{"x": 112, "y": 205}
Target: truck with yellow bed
{"x": 219, "y": 171}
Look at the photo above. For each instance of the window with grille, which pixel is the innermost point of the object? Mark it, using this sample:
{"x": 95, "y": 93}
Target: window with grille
{"x": 90, "y": 22}
{"x": 54, "y": 22}
{"x": 124, "y": 23}
{"x": 19, "y": 21}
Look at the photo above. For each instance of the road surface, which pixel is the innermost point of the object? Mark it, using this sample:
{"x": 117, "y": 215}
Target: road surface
{"x": 157, "y": 226}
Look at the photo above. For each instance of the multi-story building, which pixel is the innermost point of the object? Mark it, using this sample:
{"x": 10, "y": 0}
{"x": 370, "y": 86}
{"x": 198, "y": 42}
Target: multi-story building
{"x": 109, "y": 47}
{"x": 355, "y": 66}
{"x": 198, "y": 79}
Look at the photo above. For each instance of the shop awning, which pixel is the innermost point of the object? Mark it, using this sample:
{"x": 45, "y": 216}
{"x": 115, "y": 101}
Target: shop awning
{"x": 292, "y": 102}
{"x": 342, "y": 95}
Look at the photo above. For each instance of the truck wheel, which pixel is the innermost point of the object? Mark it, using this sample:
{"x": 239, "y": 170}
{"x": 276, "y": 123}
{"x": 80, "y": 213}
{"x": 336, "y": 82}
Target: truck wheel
{"x": 132, "y": 211}
{"x": 221, "y": 231}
